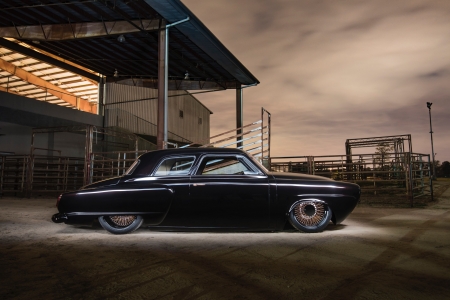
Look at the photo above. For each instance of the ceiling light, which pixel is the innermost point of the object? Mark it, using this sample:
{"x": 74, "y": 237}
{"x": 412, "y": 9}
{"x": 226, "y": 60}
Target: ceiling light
{"x": 116, "y": 73}
{"x": 121, "y": 38}
{"x": 186, "y": 75}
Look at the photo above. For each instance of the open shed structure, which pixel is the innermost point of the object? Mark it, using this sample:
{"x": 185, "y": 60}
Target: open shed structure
{"x": 126, "y": 42}
{"x": 117, "y": 63}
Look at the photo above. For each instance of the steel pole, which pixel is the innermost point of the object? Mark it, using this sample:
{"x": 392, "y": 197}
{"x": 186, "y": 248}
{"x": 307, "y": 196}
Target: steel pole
{"x": 166, "y": 86}
{"x": 162, "y": 50}
{"x": 163, "y": 83}
{"x": 432, "y": 146}
{"x": 239, "y": 115}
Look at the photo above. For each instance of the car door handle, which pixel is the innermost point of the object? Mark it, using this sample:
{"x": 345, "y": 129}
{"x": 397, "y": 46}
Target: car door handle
{"x": 198, "y": 184}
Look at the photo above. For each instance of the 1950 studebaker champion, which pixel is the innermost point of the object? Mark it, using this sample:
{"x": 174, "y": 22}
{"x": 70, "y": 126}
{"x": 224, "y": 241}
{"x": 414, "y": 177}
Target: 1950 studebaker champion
{"x": 208, "y": 188}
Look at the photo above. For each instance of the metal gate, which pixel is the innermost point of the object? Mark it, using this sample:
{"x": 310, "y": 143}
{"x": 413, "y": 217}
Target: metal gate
{"x": 253, "y": 138}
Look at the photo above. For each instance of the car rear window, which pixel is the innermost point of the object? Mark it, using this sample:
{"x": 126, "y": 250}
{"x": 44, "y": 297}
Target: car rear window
{"x": 173, "y": 166}
{"x": 132, "y": 167}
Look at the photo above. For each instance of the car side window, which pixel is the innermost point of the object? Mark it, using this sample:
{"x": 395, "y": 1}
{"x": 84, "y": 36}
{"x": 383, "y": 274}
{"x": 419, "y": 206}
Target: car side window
{"x": 132, "y": 167}
{"x": 175, "y": 166}
{"x": 223, "y": 166}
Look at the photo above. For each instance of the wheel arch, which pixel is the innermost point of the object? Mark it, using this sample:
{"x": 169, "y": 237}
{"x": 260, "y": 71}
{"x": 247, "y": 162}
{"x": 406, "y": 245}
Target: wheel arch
{"x": 305, "y": 227}
{"x": 333, "y": 216}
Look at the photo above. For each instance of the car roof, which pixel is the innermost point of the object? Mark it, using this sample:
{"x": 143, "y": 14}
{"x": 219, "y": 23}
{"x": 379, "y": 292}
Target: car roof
{"x": 181, "y": 151}
{"x": 150, "y": 159}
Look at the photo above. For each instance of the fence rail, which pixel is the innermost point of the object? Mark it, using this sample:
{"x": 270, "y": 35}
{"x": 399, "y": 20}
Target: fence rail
{"x": 21, "y": 174}
{"x": 111, "y": 164}
{"x": 405, "y": 172}
{"x": 25, "y": 175}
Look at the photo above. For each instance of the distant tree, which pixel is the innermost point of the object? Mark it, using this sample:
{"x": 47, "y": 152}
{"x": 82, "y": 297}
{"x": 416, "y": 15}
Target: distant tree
{"x": 444, "y": 169}
{"x": 382, "y": 153}
{"x": 437, "y": 166}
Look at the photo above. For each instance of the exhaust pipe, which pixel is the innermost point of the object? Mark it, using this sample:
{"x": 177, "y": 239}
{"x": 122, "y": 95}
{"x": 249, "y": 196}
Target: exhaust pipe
{"x": 59, "y": 218}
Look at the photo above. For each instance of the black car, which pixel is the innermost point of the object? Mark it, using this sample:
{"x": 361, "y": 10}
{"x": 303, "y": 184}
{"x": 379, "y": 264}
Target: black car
{"x": 208, "y": 188}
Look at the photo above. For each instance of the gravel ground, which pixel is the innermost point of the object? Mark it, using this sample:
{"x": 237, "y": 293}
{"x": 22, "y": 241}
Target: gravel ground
{"x": 378, "y": 253}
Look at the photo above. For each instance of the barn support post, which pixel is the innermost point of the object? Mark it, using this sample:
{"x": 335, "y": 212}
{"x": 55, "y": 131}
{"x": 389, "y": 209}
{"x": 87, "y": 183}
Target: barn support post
{"x": 163, "y": 80}
{"x": 239, "y": 115}
{"x": 161, "y": 136}
{"x": 29, "y": 184}
{"x": 100, "y": 100}
{"x": 87, "y": 154}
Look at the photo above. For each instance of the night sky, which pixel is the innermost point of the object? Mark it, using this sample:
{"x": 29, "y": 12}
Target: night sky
{"x": 333, "y": 70}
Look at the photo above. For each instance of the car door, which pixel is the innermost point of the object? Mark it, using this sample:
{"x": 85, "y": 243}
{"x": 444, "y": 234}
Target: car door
{"x": 171, "y": 173}
{"x": 228, "y": 191}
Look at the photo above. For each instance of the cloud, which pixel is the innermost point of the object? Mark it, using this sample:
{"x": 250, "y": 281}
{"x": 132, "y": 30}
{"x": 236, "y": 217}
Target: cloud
{"x": 332, "y": 70}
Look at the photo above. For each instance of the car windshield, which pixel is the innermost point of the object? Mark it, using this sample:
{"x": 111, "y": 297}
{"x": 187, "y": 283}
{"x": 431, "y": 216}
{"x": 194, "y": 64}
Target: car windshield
{"x": 223, "y": 166}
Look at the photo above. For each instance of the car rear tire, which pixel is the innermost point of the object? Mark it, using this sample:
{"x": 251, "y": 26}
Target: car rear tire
{"x": 310, "y": 216}
{"x": 120, "y": 224}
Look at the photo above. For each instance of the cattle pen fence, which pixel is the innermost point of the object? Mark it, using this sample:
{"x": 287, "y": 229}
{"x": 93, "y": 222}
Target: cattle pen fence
{"x": 405, "y": 175}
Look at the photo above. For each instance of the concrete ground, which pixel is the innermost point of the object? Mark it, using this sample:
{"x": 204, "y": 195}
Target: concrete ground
{"x": 378, "y": 253}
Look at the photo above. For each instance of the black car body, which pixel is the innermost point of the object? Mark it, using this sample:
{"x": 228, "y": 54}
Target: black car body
{"x": 208, "y": 188}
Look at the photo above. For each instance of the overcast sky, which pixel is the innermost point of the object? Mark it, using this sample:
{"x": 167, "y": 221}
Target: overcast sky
{"x": 333, "y": 70}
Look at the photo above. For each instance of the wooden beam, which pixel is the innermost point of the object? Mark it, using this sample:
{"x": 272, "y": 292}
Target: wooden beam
{"x": 56, "y": 91}
{"x": 9, "y": 90}
{"x": 45, "y": 57}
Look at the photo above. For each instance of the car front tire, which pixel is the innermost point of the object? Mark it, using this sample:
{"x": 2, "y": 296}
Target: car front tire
{"x": 310, "y": 216}
{"x": 120, "y": 224}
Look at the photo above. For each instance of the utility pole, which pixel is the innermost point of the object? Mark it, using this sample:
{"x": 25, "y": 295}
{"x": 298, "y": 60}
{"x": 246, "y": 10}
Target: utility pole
{"x": 431, "y": 133}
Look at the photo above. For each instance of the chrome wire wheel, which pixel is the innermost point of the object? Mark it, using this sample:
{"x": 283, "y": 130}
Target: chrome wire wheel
{"x": 309, "y": 213}
{"x": 122, "y": 221}
{"x": 121, "y": 224}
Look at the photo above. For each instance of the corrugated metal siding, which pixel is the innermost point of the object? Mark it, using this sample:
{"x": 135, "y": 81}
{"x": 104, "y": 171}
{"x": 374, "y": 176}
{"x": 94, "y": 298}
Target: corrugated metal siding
{"x": 141, "y": 116}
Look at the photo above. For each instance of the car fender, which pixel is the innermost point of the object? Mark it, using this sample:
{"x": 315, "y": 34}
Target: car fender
{"x": 152, "y": 202}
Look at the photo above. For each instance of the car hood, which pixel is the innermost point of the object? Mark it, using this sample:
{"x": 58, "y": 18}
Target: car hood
{"x": 297, "y": 176}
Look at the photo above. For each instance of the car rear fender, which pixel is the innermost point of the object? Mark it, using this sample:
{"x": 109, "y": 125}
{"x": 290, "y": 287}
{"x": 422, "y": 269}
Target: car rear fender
{"x": 152, "y": 202}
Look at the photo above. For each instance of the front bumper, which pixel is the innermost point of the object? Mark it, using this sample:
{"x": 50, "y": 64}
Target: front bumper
{"x": 59, "y": 218}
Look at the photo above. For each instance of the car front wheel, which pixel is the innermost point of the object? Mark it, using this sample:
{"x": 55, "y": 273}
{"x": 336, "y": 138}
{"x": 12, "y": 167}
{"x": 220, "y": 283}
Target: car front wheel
{"x": 310, "y": 216}
{"x": 120, "y": 224}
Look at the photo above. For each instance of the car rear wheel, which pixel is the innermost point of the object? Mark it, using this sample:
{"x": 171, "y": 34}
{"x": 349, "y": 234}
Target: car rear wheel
{"x": 120, "y": 224}
{"x": 310, "y": 216}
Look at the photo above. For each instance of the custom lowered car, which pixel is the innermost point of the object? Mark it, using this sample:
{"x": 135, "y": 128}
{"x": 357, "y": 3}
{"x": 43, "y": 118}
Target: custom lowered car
{"x": 208, "y": 188}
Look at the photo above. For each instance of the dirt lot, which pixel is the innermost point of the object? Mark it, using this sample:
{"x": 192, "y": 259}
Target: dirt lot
{"x": 378, "y": 253}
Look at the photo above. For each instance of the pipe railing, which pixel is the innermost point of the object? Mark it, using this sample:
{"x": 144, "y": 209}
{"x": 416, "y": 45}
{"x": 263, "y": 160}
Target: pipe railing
{"x": 256, "y": 133}
{"x": 375, "y": 173}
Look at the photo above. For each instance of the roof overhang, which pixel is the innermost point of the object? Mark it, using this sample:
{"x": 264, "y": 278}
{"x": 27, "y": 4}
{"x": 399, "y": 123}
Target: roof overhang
{"x": 119, "y": 40}
{"x": 197, "y": 32}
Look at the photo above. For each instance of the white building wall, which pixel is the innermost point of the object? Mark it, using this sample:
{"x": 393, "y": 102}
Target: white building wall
{"x": 122, "y": 109}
